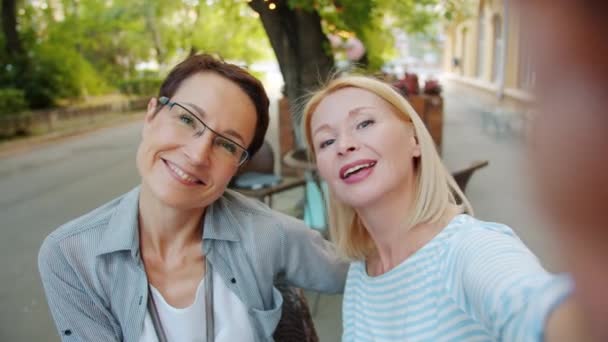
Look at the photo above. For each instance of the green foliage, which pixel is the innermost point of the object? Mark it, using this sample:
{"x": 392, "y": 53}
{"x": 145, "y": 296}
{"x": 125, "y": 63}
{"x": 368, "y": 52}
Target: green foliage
{"x": 372, "y": 21}
{"x": 232, "y": 31}
{"x": 146, "y": 85}
{"x": 55, "y": 72}
{"x": 78, "y": 48}
{"x": 379, "y": 44}
{"x": 12, "y": 101}
{"x": 90, "y": 47}
{"x": 455, "y": 11}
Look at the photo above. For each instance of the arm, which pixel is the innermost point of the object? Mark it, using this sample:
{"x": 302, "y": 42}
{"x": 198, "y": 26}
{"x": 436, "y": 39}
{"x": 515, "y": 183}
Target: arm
{"x": 566, "y": 323}
{"x": 78, "y": 317}
{"x": 310, "y": 261}
{"x": 500, "y": 283}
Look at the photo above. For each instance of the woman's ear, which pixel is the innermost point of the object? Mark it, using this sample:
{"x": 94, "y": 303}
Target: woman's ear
{"x": 151, "y": 110}
{"x": 416, "y": 152}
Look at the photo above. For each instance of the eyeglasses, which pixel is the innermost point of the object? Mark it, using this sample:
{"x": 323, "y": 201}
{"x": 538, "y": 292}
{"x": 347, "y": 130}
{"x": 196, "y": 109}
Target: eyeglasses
{"x": 187, "y": 122}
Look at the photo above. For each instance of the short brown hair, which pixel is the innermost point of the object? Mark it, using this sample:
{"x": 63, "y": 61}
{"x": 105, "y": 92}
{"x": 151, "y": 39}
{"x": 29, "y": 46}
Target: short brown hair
{"x": 248, "y": 83}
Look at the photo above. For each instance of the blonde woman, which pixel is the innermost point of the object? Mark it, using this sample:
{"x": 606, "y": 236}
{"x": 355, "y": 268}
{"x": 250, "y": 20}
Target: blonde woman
{"x": 423, "y": 269}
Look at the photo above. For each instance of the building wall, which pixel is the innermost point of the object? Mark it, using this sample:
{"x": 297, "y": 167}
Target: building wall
{"x": 473, "y": 41}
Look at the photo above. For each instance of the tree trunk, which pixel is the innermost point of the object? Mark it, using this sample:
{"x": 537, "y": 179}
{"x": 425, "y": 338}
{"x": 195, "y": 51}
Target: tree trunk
{"x": 9, "y": 27}
{"x": 302, "y": 50}
{"x": 150, "y": 16}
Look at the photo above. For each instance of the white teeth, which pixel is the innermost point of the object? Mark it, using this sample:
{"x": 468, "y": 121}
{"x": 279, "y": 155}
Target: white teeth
{"x": 357, "y": 168}
{"x": 183, "y": 175}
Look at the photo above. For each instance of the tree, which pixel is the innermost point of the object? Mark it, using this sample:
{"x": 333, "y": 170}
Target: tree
{"x": 300, "y": 45}
{"x": 13, "y": 47}
{"x": 297, "y": 32}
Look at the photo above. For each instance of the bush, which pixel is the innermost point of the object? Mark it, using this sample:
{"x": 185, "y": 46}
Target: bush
{"x": 147, "y": 86}
{"x": 56, "y": 72}
{"x": 12, "y": 101}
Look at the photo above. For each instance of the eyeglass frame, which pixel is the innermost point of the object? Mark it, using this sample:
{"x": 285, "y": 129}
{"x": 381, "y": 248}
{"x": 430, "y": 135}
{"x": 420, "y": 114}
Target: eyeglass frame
{"x": 165, "y": 101}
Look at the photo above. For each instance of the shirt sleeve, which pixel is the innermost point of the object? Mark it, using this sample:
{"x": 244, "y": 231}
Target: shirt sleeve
{"x": 77, "y": 316}
{"x": 495, "y": 279}
{"x": 310, "y": 261}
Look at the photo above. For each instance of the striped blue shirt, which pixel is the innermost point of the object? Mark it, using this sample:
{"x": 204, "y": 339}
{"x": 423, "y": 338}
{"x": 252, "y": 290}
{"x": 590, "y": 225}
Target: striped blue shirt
{"x": 475, "y": 281}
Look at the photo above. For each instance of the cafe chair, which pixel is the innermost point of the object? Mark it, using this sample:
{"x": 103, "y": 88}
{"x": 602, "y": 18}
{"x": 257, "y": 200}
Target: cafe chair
{"x": 463, "y": 176}
{"x": 257, "y": 179}
{"x": 296, "y": 323}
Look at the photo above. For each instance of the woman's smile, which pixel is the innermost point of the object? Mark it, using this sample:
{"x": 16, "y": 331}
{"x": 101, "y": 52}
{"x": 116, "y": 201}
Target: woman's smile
{"x": 355, "y": 172}
{"x": 182, "y": 176}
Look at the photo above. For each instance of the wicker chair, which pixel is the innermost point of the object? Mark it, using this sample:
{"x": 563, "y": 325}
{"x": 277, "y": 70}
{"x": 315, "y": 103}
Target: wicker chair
{"x": 296, "y": 322}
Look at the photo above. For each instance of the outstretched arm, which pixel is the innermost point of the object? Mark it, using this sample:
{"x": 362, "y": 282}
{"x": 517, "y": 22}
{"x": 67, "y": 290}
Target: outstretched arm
{"x": 501, "y": 284}
{"x": 310, "y": 261}
{"x": 566, "y": 323}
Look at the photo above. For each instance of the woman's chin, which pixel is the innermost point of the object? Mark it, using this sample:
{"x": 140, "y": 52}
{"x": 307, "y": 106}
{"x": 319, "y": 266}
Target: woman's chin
{"x": 361, "y": 200}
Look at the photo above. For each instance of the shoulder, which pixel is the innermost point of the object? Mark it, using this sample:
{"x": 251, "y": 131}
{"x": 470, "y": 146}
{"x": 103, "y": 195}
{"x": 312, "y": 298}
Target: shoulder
{"x": 97, "y": 218}
{"x": 465, "y": 232}
{"x": 257, "y": 217}
{"x": 479, "y": 252}
{"x": 470, "y": 245}
{"x": 80, "y": 236}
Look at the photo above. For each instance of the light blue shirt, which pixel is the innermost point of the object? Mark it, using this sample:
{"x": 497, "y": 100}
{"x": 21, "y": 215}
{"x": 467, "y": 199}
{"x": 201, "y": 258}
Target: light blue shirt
{"x": 97, "y": 289}
{"x": 475, "y": 281}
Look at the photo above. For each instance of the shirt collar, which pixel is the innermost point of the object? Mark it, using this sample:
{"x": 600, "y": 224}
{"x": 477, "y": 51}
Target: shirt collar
{"x": 220, "y": 220}
{"x": 122, "y": 234}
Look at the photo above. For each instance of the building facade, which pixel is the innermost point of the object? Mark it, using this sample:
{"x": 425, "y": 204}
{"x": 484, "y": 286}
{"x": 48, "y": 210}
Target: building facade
{"x": 488, "y": 50}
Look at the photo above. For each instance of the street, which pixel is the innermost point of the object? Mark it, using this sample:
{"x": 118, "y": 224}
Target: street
{"x": 41, "y": 190}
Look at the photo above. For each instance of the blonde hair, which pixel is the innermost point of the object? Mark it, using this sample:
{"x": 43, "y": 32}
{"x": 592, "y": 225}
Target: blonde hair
{"x": 435, "y": 187}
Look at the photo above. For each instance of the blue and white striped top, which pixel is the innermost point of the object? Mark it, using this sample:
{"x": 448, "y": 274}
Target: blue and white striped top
{"x": 475, "y": 281}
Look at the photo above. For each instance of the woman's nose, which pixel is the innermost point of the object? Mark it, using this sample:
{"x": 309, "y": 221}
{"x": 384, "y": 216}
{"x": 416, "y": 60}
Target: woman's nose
{"x": 347, "y": 144}
{"x": 199, "y": 149}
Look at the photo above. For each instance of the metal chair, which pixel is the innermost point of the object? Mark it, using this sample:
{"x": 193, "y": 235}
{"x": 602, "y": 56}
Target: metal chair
{"x": 463, "y": 176}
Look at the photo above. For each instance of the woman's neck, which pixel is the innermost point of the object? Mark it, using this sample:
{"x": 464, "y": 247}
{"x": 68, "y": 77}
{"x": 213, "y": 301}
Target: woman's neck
{"x": 386, "y": 223}
{"x": 165, "y": 231}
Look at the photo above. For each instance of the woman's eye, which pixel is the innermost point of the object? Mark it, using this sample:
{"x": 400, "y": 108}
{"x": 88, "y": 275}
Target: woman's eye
{"x": 187, "y": 119}
{"x": 326, "y": 143}
{"x": 365, "y": 123}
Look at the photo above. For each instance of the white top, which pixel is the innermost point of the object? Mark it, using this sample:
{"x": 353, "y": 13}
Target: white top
{"x": 475, "y": 281}
{"x": 189, "y": 323}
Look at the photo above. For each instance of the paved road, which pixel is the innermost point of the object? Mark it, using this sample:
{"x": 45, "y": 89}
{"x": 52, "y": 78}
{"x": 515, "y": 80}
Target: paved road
{"x": 41, "y": 190}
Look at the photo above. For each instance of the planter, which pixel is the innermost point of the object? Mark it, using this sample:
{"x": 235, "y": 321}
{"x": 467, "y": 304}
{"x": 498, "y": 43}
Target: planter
{"x": 430, "y": 110}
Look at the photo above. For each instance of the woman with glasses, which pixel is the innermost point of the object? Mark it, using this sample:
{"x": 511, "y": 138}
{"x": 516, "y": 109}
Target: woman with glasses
{"x": 180, "y": 258}
{"x": 422, "y": 268}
